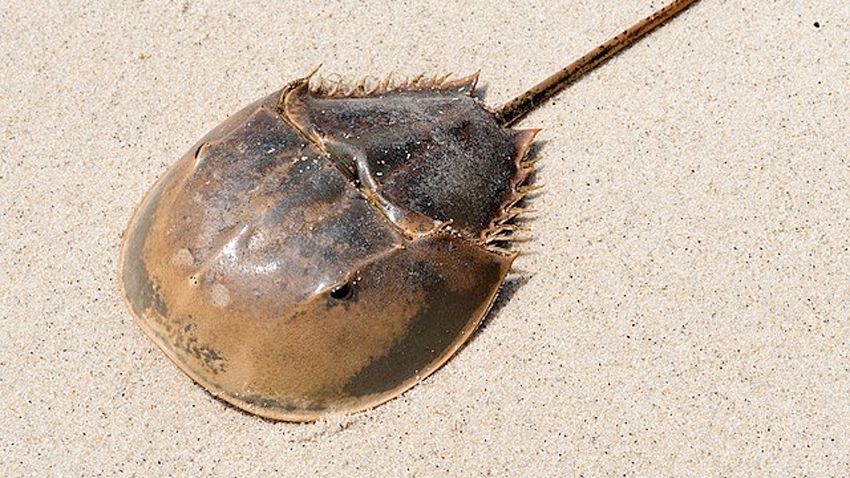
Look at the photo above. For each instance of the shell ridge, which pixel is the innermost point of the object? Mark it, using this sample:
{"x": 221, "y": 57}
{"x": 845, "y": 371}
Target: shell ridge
{"x": 288, "y": 106}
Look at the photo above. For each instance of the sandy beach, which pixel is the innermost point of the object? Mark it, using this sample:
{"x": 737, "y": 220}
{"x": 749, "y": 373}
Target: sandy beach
{"x": 681, "y": 309}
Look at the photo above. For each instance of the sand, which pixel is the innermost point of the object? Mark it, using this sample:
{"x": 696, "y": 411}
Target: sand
{"x": 681, "y": 309}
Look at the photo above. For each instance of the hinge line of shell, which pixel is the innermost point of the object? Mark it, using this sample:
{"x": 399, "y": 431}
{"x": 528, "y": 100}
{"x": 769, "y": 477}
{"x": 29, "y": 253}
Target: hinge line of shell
{"x": 411, "y": 224}
{"x": 408, "y": 223}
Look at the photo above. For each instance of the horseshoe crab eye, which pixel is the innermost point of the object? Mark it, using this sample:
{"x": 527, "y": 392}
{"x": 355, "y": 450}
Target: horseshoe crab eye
{"x": 343, "y": 291}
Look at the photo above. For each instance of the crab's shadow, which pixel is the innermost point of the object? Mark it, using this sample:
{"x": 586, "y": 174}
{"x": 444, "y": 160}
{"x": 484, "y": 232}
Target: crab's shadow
{"x": 510, "y": 287}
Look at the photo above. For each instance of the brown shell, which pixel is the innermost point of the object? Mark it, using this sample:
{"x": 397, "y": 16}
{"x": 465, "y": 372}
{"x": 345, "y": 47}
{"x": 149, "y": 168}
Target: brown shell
{"x": 321, "y": 252}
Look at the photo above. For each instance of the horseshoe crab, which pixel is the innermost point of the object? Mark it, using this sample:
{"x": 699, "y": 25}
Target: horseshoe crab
{"x": 322, "y": 251}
